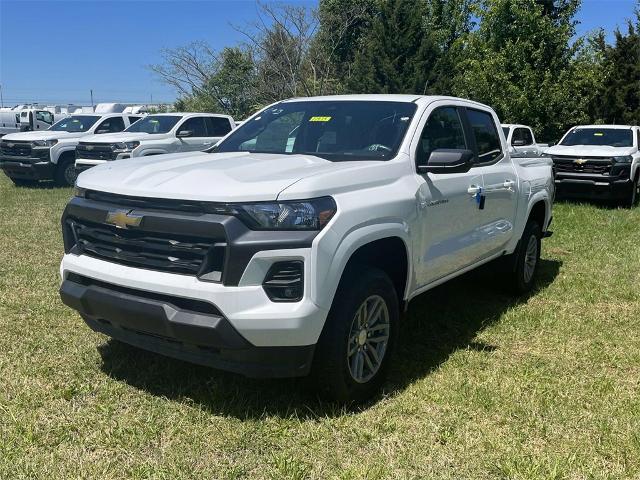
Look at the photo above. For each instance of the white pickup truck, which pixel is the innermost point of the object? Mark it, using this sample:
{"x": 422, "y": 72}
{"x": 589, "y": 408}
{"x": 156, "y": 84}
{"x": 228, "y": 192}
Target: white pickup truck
{"x": 29, "y": 157}
{"x": 299, "y": 255}
{"x": 155, "y": 135}
{"x": 522, "y": 140}
{"x": 598, "y": 162}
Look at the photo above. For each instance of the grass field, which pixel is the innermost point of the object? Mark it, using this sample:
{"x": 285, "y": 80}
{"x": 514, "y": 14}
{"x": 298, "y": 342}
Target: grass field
{"x": 483, "y": 386}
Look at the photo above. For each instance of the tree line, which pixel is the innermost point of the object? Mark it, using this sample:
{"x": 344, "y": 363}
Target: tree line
{"x": 522, "y": 57}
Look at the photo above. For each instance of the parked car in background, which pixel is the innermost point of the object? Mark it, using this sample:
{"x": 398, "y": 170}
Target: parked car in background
{"x": 293, "y": 247}
{"x": 598, "y": 162}
{"x": 29, "y": 157}
{"x": 155, "y": 135}
{"x": 522, "y": 139}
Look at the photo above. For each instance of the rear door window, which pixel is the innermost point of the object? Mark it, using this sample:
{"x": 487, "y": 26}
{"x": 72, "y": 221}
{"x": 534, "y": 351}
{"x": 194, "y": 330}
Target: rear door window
{"x": 486, "y": 136}
{"x": 217, "y": 126}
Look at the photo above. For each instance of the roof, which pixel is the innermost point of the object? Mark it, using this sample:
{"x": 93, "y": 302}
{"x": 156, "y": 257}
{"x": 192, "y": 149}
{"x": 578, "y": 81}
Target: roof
{"x": 383, "y": 97}
{"x": 195, "y": 114}
{"x": 619, "y": 127}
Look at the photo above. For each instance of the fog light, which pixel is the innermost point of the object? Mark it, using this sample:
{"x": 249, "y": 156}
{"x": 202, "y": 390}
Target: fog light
{"x": 284, "y": 281}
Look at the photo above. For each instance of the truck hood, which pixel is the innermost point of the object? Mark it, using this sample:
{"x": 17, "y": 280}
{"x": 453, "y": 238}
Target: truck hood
{"x": 214, "y": 177}
{"x": 43, "y": 135}
{"x": 590, "y": 151}
{"x": 123, "y": 137}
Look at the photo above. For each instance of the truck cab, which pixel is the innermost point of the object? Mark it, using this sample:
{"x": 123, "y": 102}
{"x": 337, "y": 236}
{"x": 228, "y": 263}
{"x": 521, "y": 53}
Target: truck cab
{"x": 29, "y": 157}
{"x": 155, "y": 135}
{"x": 522, "y": 139}
{"x": 598, "y": 162}
{"x": 292, "y": 247}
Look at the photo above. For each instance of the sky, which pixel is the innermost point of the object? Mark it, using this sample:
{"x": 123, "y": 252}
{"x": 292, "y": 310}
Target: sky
{"x": 56, "y": 51}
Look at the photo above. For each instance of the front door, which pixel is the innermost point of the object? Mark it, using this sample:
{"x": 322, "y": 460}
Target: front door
{"x": 197, "y": 138}
{"x": 448, "y": 207}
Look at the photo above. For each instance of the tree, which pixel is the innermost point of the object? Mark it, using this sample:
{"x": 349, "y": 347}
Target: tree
{"x": 620, "y": 99}
{"x": 523, "y": 61}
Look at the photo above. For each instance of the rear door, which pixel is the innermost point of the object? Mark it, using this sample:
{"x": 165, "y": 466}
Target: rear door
{"x": 497, "y": 216}
{"x": 448, "y": 220}
{"x": 217, "y": 127}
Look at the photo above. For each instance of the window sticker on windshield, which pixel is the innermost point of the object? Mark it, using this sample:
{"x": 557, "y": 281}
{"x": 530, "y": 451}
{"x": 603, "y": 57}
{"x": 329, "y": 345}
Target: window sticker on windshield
{"x": 319, "y": 119}
{"x": 598, "y": 134}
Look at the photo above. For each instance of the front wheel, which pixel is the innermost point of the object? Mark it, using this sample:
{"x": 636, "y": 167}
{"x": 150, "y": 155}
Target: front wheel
{"x": 66, "y": 173}
{"x": 523, "y": 263}
{"x": 353, "y": 351}
{"x": 634, "y": 194}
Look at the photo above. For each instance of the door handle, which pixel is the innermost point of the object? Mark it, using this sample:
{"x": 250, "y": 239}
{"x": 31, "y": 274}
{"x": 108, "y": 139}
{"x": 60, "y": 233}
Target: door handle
{"x": 473, "y": 190}
{"x": 508, "y": 185}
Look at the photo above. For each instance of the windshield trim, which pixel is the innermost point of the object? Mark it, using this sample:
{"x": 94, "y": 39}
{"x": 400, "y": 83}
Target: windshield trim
{"x": 95, "y": 117}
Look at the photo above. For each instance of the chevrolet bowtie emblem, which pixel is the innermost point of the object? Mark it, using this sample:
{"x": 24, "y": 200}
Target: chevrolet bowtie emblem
{"x": 89, "y": 147}
{"x": 580, "y": 161}
{"x": 123, "y": 219}
{"x": 11, "y": 145}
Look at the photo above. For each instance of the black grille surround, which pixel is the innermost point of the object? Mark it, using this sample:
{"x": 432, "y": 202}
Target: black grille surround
{"x": 15, "y": 148}
{"x": 173, "y": 237}
{"x": 95, "y": 151}
{"x": 604, "y": 166}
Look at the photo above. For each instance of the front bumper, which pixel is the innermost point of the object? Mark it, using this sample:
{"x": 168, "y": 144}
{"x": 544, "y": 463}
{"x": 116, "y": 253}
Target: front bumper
{"x": 592, "y": 186}
{"x": 194, "y": 331}
{"x": 27, "y": 168}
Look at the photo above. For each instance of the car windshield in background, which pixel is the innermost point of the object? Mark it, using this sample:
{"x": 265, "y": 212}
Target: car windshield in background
{"x": 613, "y": 137}
{"x": 154, "y": 124}
{"x": 75, "y": 123}
{"x": 333, "y": 130}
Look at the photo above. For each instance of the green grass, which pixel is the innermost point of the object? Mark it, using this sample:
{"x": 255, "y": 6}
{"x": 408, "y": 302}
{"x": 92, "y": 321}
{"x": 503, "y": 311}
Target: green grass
{"x": 483, "y": 386}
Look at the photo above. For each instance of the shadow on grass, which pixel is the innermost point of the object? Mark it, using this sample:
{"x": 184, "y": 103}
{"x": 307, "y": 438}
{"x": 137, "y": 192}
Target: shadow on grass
{"x": 438, "y": 323}
{"x": 600, "y": 203}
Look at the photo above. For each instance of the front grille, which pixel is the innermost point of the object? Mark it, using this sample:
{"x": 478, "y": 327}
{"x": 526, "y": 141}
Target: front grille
{"x": 95, "y": 151}
{"x": 15, "y": 149}
{"x": 595, "y": 165}
{"x": 147, "y": 203}
{"x": 172, "y": 253}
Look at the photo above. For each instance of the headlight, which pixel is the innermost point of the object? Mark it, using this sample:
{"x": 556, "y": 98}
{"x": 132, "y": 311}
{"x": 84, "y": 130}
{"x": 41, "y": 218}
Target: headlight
{"x": 79, "y": 191}
{"x": 625, "y": 159}
{"x": 43, "y": 143}
{"x": 311, "y": 214}
{"x": 125, "y": 146}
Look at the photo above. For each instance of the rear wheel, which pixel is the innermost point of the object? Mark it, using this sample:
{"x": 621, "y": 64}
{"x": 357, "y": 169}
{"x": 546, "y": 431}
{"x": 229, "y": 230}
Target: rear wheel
{"x": 523, "y": 263}
{"x": 66, "y": 174}
{"x": 353, "y": 351}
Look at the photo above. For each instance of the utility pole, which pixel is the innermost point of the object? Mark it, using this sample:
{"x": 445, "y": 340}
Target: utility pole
{"x": 1, "y": 99}
{"x": 151, "y": 103}
{"x": 91, "y": 97}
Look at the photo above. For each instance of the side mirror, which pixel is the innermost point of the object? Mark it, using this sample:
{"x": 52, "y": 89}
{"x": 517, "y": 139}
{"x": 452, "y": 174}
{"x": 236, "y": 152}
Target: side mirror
{"x": 102, "y": 130}
{"x": 445, "y": 160}
{"x": 184, "y": 133}
{"x": 551, "y": 144}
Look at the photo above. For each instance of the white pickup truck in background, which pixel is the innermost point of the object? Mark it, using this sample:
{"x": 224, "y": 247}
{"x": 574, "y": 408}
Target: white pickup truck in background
{"x": 598, "y": 162}
{"x": 155, "y": 135}
{"x": 293, "y": 246}
{"x": 522, "y": 139}
{"x": 29, "y": 157}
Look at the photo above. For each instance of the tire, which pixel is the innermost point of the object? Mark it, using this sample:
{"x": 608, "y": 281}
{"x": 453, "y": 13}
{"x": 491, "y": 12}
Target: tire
{"x": 523, "y": 263}
{"x": 353, "y": 370}
{"x": 23, "y": 182}
{"x": 633, "y": 195}
{"x": 66, "y": 174}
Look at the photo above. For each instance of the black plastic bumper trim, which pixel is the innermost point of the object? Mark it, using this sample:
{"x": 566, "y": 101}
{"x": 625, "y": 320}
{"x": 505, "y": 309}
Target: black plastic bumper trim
{"x": 29, "y": 171}
{"x": 161, "y": 327}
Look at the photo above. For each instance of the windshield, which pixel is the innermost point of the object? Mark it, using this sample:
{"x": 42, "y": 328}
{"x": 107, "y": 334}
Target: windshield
{"x": 75, "y": 123}
{"x": 154, "y": 124}
{"x": 614, "y": 137}
{"x": 506, "y": 132}
{"x": 333, "y": 130}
